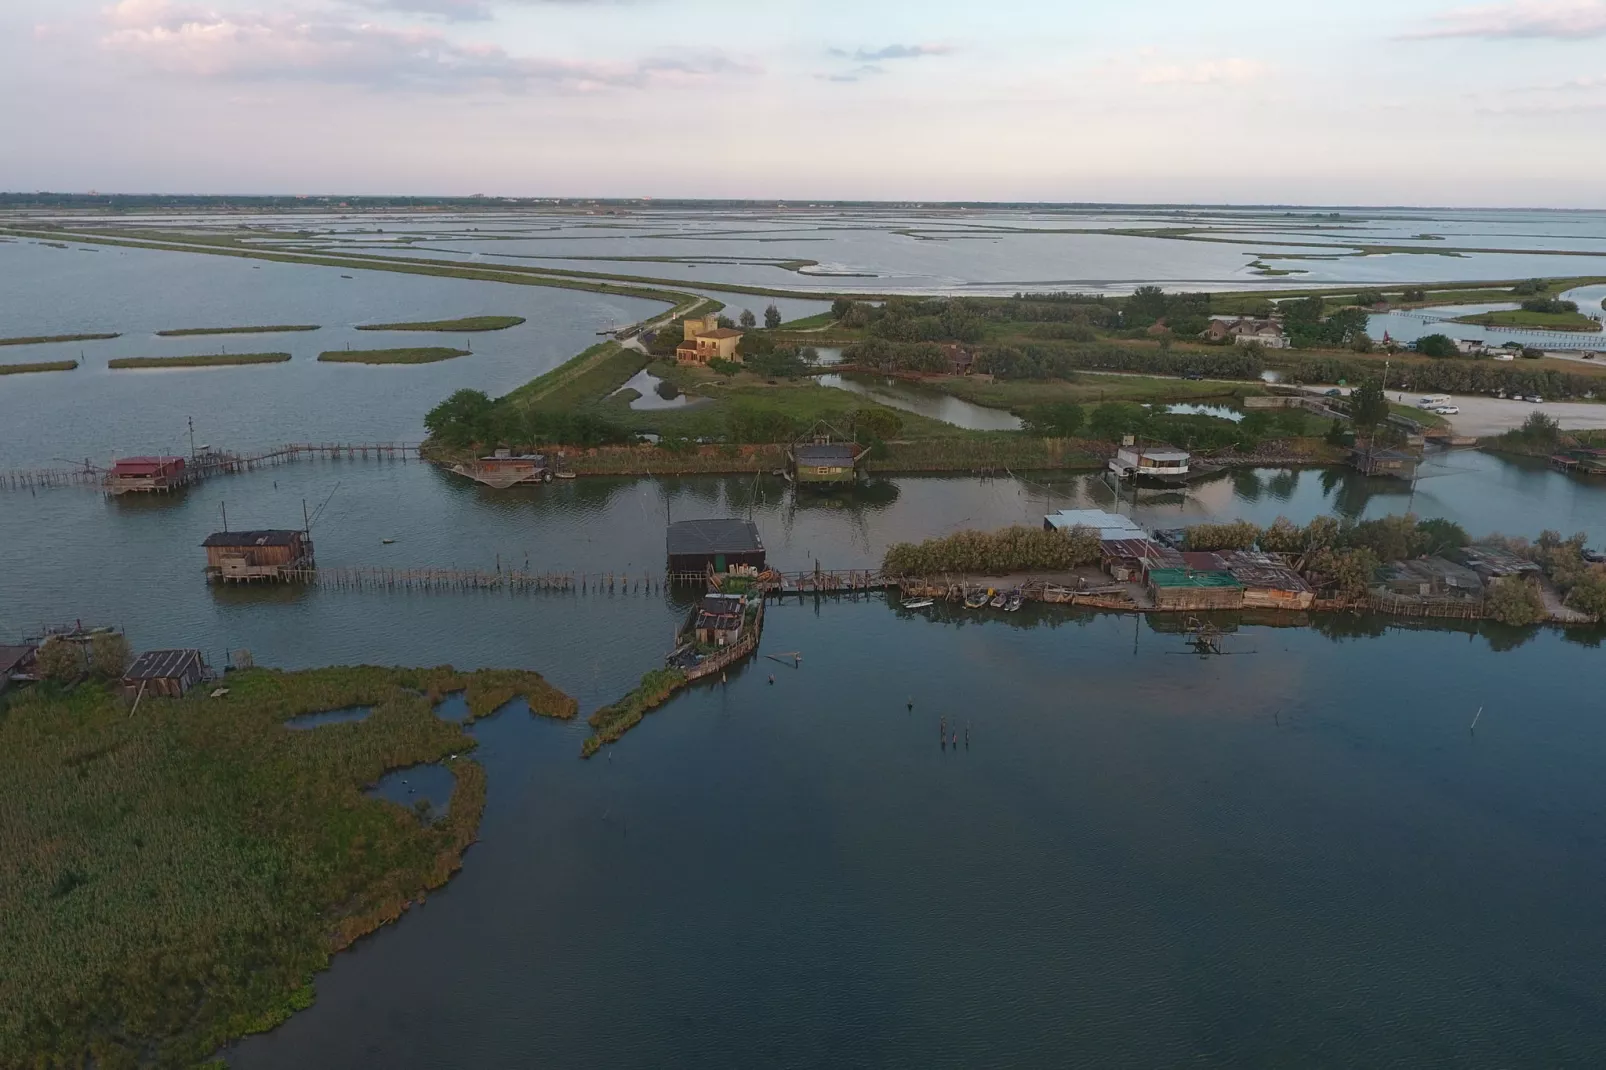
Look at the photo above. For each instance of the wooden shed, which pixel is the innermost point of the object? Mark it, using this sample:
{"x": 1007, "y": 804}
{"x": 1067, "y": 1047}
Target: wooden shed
{"x": 17, "y": 664}
{"x": 695, "y": 546}
{"x": 1268, "y": 583}
{"x": 826, "y": 463}
{"x": 1182, "y": 588}
{"x": 147, "y": 475}
{"x": 720, "y": 618}
{"x": 164, "y": 673}
{"x": 247, "y": 556}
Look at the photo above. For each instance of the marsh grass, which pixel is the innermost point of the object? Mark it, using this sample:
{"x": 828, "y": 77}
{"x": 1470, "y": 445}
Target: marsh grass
{"x": 174, "y": 879}
{"x": 42, "y": 366}
{"x": 46, "y": 339}
{"x": 192, "y": 332}
{"x": 610, "y": 723}
{"x": 422, "y": 355}
{"x": 468, "y": 323}
{"x": 210, "y": 360}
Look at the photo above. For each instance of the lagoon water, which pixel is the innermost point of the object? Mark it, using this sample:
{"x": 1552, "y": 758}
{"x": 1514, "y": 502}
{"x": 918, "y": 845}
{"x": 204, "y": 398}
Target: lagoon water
{"x": 1297, "y": 854}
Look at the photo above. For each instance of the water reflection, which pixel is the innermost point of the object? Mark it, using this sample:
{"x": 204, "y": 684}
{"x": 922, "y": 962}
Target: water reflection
{"x": 897, "y": 394}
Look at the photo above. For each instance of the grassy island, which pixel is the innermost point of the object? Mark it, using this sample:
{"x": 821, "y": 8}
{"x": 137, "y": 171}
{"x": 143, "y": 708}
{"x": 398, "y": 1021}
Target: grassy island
{"x": 175, "y": 878}
{"x": 42, "y": 366}
{"x": 46, "y": 339}
{"x": 209, "y": 360}
{"x": 1534, "y": 321}
{"x": 468, "y": 323}
{"x": 424, "y": 355}
{"x": 192, "y": 332}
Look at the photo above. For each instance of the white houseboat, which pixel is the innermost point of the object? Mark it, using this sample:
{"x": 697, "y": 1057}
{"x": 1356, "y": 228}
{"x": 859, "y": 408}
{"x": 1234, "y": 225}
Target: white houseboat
{"x": 1160, "y": 463}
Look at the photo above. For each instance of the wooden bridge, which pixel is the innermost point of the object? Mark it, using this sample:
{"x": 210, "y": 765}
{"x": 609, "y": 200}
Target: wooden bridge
{"x": 217, "y": 462}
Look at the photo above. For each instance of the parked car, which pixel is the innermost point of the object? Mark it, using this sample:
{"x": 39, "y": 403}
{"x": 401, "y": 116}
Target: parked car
{"x": 1194, "y": 375}
{"x": 1447, "y": 410}
{"x": 1335, "y": 393}
{"x": 1504, "y": 356}
{"x": 1534, "y": 398}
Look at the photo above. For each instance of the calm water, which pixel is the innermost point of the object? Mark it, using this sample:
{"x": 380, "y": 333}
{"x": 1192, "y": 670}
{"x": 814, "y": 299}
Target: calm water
{"x": 1294, "y": 856}
{"x": 97, "y": 413}
{"x": 897, "y": 394}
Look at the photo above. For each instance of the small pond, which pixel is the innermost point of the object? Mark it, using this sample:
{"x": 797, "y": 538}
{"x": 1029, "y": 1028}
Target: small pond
{"x": 431, "y": 783}
{"x": 1226, "y": 412}
{"x": 646, "y": 384}
{"x": 349, "y": 715}
{"x": 908, "y": 397}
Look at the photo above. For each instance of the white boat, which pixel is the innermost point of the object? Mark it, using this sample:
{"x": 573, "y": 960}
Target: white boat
{"x": 919, "y": 603}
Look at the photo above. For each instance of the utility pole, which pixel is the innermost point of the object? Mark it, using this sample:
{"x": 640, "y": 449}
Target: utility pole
{"x": 191, "y": 421}
{"x": 224, "y": 506}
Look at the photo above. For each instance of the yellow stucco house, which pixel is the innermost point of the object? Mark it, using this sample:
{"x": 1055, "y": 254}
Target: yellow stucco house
{"x": 706, "y": 340}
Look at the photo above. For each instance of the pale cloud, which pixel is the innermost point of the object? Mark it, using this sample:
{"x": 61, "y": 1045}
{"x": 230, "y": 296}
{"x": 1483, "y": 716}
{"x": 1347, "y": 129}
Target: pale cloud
{"x": 1567, "y": 20}
{"x": 321, "y": 46}
{"x": 465, "y": 10}
{"x": 1231, "y": 71}
{"x": 869, "y": 60}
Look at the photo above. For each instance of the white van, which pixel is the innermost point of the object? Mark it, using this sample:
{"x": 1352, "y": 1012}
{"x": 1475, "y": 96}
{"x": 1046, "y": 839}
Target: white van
{"x": 1431, "y": 400}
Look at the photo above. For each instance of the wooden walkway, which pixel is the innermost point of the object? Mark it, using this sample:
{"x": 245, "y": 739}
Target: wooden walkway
{"x": 218, "y": 463}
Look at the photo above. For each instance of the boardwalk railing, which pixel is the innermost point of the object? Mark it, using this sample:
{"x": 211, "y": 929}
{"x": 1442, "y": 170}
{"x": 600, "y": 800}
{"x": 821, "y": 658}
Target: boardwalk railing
{"x": 216, "y": 463}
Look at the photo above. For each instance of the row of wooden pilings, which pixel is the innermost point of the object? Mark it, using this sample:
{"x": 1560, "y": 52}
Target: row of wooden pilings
{"x": 523, "y": 581}
{"x": 217, "y": 463}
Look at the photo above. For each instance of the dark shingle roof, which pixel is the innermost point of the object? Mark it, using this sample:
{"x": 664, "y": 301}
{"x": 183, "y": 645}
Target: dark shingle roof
{"x": 252, "y": 538}
{"x": 713, "y": 537}
{"x": 831, "y": 453}
{"x": 164, "y": 665}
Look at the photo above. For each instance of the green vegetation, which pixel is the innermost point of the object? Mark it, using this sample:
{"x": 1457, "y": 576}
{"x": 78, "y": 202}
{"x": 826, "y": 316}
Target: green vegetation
{"x": 174, "y": 879}
{"x": 420, "y": 355}
{"x": 1515, "y": 602}
{"x": 209, "y": 360}
{"x": 468, "y": 324}
{"x": 610, "y": 723}
{"x": 594, "y": 374}
{"x": 45, "y": 339}
{"x": 41, "y": 366}
{"x": 994, "y": 553}
{"x": 809, "y": 323}
{"x": 188, "y": 332}
{"x": 1560, "y": 319}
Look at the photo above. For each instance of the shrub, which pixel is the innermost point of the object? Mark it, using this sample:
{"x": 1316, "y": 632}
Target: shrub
{"x": 1515, "y": 602}
{"x": 1437, "y": 345}
{"x": 1241, "y": 535}
{"x": 60, "y": 662}
{"x": 1010, "y": 550}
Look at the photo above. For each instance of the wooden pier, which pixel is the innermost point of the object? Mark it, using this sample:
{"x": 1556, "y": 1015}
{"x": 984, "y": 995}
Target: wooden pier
{"x": 217, "y": 462}
{"x": 514, "y": 581}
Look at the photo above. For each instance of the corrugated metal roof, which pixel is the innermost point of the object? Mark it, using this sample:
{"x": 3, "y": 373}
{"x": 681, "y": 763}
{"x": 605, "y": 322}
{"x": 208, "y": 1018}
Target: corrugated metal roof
{"x": 164, "y": 665}
{"x": 145, "y": 466}
{"x": 12, "y": 656}
{"x": 1108, "y": 525}
{"x": 827, "y": 453}
{"x": 713, "y": 537}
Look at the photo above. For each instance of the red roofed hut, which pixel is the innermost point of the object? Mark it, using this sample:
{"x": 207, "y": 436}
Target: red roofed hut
{"x": 147, "y": 475}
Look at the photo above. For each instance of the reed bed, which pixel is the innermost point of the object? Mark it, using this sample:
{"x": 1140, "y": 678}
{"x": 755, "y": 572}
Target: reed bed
{"x": 174, "y": 878}
{"x": 610, "y": 723}
{"x": 419, "y": 355}
{"x": 193, "y": 332}
{"x": 210, "y": 360}
{"x": 467, "y": 323}
{"x": 994, "y": 553}
{"x": 45, "y": 339}
{"x": 40, "y": 366}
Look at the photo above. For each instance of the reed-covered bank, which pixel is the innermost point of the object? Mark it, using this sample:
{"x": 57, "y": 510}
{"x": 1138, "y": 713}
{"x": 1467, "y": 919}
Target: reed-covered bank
{"x": 209, "y": 360}
{"x": 610, "y": 723}
{"x": 46, "y": 339}
{"x": 470, "y": 324}
{"x": 421, "y": 355}
{"x": 174, "y": 878}
{"x": 39, "y": 366}
{"x": 195, "y": 332}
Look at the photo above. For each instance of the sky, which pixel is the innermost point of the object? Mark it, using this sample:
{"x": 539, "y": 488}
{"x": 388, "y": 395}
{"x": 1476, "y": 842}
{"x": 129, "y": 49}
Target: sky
{"x": 1423, "y": 102}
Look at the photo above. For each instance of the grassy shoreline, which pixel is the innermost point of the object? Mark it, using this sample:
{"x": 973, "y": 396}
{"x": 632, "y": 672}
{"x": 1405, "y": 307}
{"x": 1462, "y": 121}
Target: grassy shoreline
{"x": 209, "y": 360}
{"x": 470, "y": 324}
{"x": 51, "y": 339}
{"x": 196, "y": 332}
{"x": 40, "y": 366}
{"x": 1570, "y": 322}
{"x": 418, "y": 355}
{"x": 178, "y": 879}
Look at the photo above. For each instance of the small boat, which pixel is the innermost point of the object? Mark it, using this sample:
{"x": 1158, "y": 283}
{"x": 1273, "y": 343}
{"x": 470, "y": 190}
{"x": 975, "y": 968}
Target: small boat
{"x": 387, "y": 542}
{"x": 1013, "y": 603}
{"x": 976, "y": 600}
{"x": 998, "y": 600}
{"x": 565, "y": 475}
{"x": 919, "y": 603}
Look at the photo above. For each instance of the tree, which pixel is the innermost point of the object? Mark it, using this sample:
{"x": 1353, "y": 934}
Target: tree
{"x": 1437, "y": 345}
{"x": 1414, "y": 296}
{"x": 1437, "y": 535}
{"x": 460, "y": 420}
{"x": 1059, "y": 420}
{"x": 727, "y": 323}
{"x": 60, "y": 662}
{"x": 878, "y": 423}
{"x": 1532, "y": 286}
{"x": 772, "y": 317}
{"x": 1114, "y": 419}
{"x": 1368, "y": 405}
{"x": 1515, "y": 602}
{"x": 1369, "y": 298}
{"x": 109, "y": 656}
{"x": 749, "y": 321}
